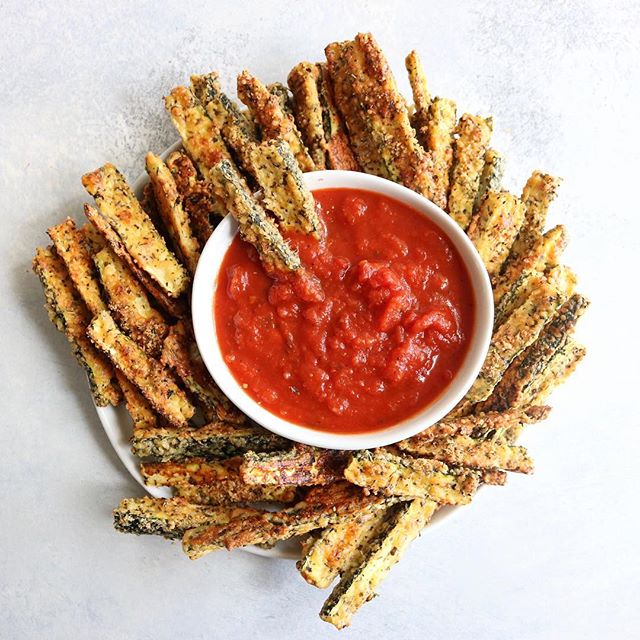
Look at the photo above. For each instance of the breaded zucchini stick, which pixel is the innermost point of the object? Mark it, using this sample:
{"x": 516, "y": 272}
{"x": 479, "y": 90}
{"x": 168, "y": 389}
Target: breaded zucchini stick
{"x": 173, "y": 215}
{"x": 129, "y": 303}
{"x": 153, "y": 380}
{"x": 491, "y": 176}
{"x": 439, "y": 142}
{"x": 215, "y": 440}
{"x": 519, "y": 385}
{"x": 281, "y": 91}
{"x": 537, "y": 195}
{"x": 91, "y": 238}
{"x": 205, "y": 482}
{"x": 392, "y": 475}
{"x": 274, "y": 122}
{"x": 70, "y": 247}
{"x": 255, "y": 226}
{"x": 285, "y": 193}
{"x": 322, "y": 507}
{"x": 340, "y": 547}
{"x": 358, "y": 586}
{"x": 421, "y": 97}
{"x": 494, "y": 228}
{"x": 559, "y": 368}
{"x": 68, "y": 313}
{"x": 301, "y": 465}
{"x": 169, "y": 517}
{"x": 376, "y": 115}
{"x": 473, "y": 135}
{"x": 142, "y": 415}
{"x": 173, "y": 307}
{"x": 119, "y": 207}
{"x": 181, "y": 354}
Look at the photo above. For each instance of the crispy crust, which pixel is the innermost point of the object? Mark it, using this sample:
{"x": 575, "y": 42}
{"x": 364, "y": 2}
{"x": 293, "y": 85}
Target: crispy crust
{"x": 173, "y": 215}
{"x": 142, "y": 415}
{"x": 129, "y": 303}
{"x": 421, "y": 97}
{"x": 388, "y": 474}
{"x": 153, "y": 380}
{"x": 358, "y": 586}
{"x": 281, "y": 91}
{"x": 274, "y": 122}
{"x": 376, "y": 115}
{"x": 439, "y": 141}
{"x": 215, "y": 440}
{"x": 119, "y": 207}
{"x": 69, "y": 245}
{"x": 494, "y": 228}
{"x": 491, "y": 176}
{"x": 473, "y": 135}
{"x": 559, "y": 368}
{"x": 180, "y": 353}
{"x": 301, "y": 465}
{"x": 70, "y": 316}
{"x": 91, "y": 238}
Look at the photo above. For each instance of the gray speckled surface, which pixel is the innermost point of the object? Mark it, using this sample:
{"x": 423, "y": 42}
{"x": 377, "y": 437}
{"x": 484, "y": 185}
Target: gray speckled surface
{"x": 549, "y": 556}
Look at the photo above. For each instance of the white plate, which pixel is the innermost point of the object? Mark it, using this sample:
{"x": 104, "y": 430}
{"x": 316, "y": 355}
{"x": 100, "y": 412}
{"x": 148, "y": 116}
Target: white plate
{"x": 116, "y": 423}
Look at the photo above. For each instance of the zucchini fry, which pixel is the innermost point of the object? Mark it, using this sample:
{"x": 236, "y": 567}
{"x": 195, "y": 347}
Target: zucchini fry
{"x": 392, "y": 475}
{"x": 173, "y": 215}
{"x": 521, "y": 381}
{"x": 439, "y": 142}
{"x": 491, "y": 176}
{"x": 129, "y": 303}
{"x": 421, "y": 97}
{"x": 340, "y": 547}
{"x": 142, "y": 415}
{"x": 376, "y": 115}
{"x": 358, "y": 586}
{"x": 537, "y": 195}
{"x": 70, "y": 247}
{"x": 284, "y": 191}
{"x": 213, "y": 483}
{"x": 321, "y": 508}
{"x": 181, "y": 354}
{"x": 281, "y": 91}
{"x": 274, "y": 122}
{"x": 302, "y": 465}
{"x": 119, "y": 207}
{"x": 173, "y": 307}
{"x": 91, "y": 238}
{"x": 147, "y": 374}
{"x": 255, "y": 226}
{"x": 560, "y": 367}
{"x": 473, "y": 135}
{"x": 68, "y": 313}
{"x": 518, "y": 331}
{"x": 215, "y": 440}
{"x": 169, "y": 517}
{"x": 494, "y": 228}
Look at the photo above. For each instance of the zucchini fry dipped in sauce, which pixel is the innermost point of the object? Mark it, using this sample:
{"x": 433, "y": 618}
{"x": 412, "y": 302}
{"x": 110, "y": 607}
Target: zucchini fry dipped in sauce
{"x": 472, "y": 139}
{"x": 119, "y": 207}
{"x": 376, "y": 115}
{"x": 153, "y": 380}
{"x": 70, "y": 316}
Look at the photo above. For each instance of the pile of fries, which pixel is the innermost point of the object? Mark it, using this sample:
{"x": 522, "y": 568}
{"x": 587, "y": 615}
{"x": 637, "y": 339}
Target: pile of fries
{"x": 118, "y": 288}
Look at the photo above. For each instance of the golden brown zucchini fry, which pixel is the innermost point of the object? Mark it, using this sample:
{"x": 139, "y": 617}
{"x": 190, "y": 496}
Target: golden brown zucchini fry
{"x": 142, "y": 415}
{"x": 281, "y": 91}
{"x": 129, "y": 303}
{"x": 173, "y": 215}
{"x": 560, "y": 367}
{"x": 119, "y": 207}
{"x": 321, "y": 507}
{"x": 274, "y": 122}
{"x": 153, "y": 380}
{"x": 91, "y": 238}
{"x": 169, "y": 517}
{"x": 302, "y": 465}
{"x": 491, "y": 176}
{"x": 439, "y": 142}
{"x": 494, "y": 228}
{"x": 181, "y": 354}
{"x": 212, "y": 441}
{"x": 376, "y": 115}
{"x": 358, "y": 586}
{"x": 255, "y": 226}
{"x": 284, "y": 191}
{"x": 70, "y": 247}
{"x": 473, "y": 135}
{"x": 389, "y": 474}
{"x": 519, "y": 385}
{"x": 68, "y": 313}
{"x": 537, "y": 195}
{"x": 421, "y": 97}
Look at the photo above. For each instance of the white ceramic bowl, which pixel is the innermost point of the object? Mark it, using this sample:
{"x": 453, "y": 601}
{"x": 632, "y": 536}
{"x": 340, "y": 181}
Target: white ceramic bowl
{"x": 204, "y": 289}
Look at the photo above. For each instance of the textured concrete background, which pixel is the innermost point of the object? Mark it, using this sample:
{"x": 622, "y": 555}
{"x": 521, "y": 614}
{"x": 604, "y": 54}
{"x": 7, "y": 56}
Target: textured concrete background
{"x": 549, "y": 556}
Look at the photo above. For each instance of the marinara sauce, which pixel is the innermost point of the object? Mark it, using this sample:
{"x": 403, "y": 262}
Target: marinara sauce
{"x": 370, "y": 332}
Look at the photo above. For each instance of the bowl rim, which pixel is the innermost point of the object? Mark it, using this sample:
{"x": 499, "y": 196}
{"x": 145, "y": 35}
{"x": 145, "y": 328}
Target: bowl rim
{"x": 204, "y": 325}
